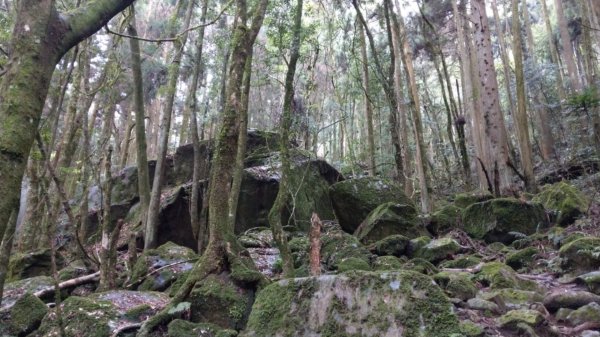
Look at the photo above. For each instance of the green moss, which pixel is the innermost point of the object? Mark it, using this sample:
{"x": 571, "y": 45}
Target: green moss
{"x": 503, "y": 219}
{"x": 462, "y": 262}
{"x": 337, "y": 245}
{"x": 446, "y": 219}
{"x": 565, "y": 199}
{"x": 390, "y": 219}
{"x": 581, "y": 255}
{"x": 26, "y": 315}
{"x": 387, "y": 263}
{"x": 464, "y": 200}
{"x": 521, "y": 258}
{"x": 180, "y": 258}
{"x": 392, "y": 245}
{"x": 28, "y": 265}
{"x": 512, "y": 318}
{"x": 135, "y": 313}
{"x": 587, "y": 313}
{"x": 497, "y": 275}
{"x": 438, "y": 249}
{"x": 353, "y": 263}
{"x": 219, "y": 301}
{"x": 470, "y": 329}
{"x": 181, "y": 328}
{"x": 512, "y": 297}
{"x": 354, "y": 199}
{"x": 366, "y": 303}
{"x": 421, "y": 266}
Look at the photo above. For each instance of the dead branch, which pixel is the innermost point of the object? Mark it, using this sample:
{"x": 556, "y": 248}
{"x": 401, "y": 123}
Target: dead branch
{"x": 69, "y": 283}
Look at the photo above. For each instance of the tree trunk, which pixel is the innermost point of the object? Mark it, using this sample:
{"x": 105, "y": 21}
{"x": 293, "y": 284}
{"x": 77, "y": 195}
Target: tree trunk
{"x": 5, "y": 250}
{"x": 140, "y": 120}
{"x": 567, "y": 48}
{"x": 285, "y": 188}
{"x": 494, "y": 120}
{"x": 40, "y": 38}
{"x": 420, "y": 159}
{"x": 521, "y": 112}
{"x": 152, "y": 221}
{"x": 504, "y": 58}
{"x": 553, "y": 53}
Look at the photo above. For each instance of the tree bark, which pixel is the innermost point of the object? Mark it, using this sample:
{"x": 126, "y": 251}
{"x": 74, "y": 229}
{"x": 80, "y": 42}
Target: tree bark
{"x": 40, "y": 38}
{"x": 567, "y": 48}
{"x": 494, "y": 120}
{"x": 152, "y": 221}
{"x": 521, "y": 112}
{"x": 140, "y": 120}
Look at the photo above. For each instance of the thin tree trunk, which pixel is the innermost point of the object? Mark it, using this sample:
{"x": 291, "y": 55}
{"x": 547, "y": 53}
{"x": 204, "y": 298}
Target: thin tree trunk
{"x": 152, "y": 221}
{"x": 5, "y": 250}
{"x": 140, "y": 120}
{"x": 553, "y": 53}
{"x": 282, "y": 199}
{"x": 567, "y": 48}
{"x": 106, "y": 268}
{"x": 504, "y": 58}
{"x": 521, "y": 112}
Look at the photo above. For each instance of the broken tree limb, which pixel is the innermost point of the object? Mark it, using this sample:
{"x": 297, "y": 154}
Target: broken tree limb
{"x": 69, "y": 283}
{"x": 315, "y": 245}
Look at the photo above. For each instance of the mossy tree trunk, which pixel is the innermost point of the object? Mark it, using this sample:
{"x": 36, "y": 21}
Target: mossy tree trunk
{"x": 283, "y": 195}
{"x": 223, "y": 252}
{"x": 40, "y": 38}
{"x": 521, "y": 111}
{"x": 152, "y": 220}
{"x": 368, "y": 105}
{"x": 140, "y": 120}
{"x": 5, "y": 249}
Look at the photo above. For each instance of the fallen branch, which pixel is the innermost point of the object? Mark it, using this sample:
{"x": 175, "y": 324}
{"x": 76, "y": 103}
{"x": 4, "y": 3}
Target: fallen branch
{"x": 472, "y": 270}
{"x": 69, "y": 283}
{"x": 159, "y": 269}
{"x": 125, "y": 328}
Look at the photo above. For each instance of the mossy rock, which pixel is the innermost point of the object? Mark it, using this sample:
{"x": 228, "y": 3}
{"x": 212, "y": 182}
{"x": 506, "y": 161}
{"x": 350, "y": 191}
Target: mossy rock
{"x": 353, "y": 263}
{"x": 565, "y": 199}
{"x": 503, "y": 219}
{"x": 462, "y": 262}
{"x": 390, "y": 219}
{"x": 220, "y": 301}
{"x": 27, "y": 265}
{"x": 470, "y": 329}
{"x": 592, "y": 281}
{"x": 573, "y": 299}
{"x": 101, "y": 314}
{"x": 464, "y": 200}
{"x": 446, "y": 219}
{"x": 421, "y": 266}
{"x": 581, "y": 255}
{"x": 521, "y": 258}
{"x": 417, "y": 243}
{"x": 179, "y": 260}
{"x": 310, "y": 179}
{"x": 512, "y": 298}
{"x": 299, "y": 247}
{"x": 438, "y": 249}
{"x": 387, "y": 263}
{"x": 512, "y": 318}
{"x": 24, "y": 316}
{"x": 457, "y": 285}
{"x": 260, "y": 237}
{"x": 13, "y": 291}
{"x": 337, "y": 245}
{"x": 181, "y": 328}
{"x": 392, "y": 245}
{"x": 588, "y": 313}
{"x": 353, "y": 304}
{"x": 354, "y": 199}
{"x": 497, "y": 275}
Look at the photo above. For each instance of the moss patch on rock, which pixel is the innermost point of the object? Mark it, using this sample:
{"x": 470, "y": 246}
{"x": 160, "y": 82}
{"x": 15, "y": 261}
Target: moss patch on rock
{"x": 581, "y": 255}
{"x": 392, "y": 245}
{"x": 24, "y": 316}
{"x": 446, "y": 219}
{"x": 354, "y": 199}
{"x": 503, "y": 219}
{"x": 565, "y": 199}
{"x": 390, "y": 219}
{"x": 353, "y": 304}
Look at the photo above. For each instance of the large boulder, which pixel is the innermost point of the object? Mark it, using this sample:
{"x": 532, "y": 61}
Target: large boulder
{"x": 581, "y": 255}
{"x": 390, "y": 219}
{"x": 354, "y": 199}
{"x": 26, "y": 265}
{"x": 385, "y": 304}
{"x": 565, "y": 199}
{"x": 103, "y": 314}
{"x": 501, "y": 220}
{"x": 23, "y": 317}
{"x": 157, "y": 269}
{"x": 14, "y": 291}
{"x": 309, "y": 184}
{"x": 338, "y": 246}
